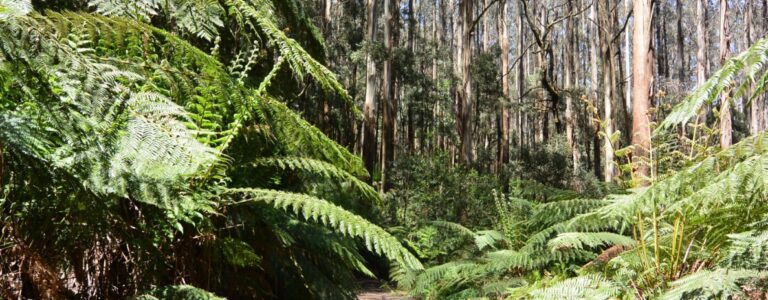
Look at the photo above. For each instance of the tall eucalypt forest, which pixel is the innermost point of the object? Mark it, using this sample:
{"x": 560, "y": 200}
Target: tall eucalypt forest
{"x": 433, "y": 149}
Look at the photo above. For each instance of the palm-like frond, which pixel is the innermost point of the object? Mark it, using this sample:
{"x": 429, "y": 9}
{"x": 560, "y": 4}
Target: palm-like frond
{"x": 321, "y": 211}
{"x": 750, "y": 64}
{"x": 707, "y": 284}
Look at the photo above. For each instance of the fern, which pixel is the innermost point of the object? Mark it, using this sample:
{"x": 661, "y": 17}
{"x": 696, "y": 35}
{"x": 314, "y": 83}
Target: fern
{"x": 718, "y": 283}
{"x": 751, "y": 62}
{"x": 582, "y": 240}
{"x": 321, "y": 168}
{"x": 592, "y": 286}
{"x": 321, "y": 211}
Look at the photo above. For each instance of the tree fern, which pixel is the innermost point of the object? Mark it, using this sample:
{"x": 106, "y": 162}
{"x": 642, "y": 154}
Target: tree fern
{"x": 321, "y": 168}
{"x": 321, "y": 211}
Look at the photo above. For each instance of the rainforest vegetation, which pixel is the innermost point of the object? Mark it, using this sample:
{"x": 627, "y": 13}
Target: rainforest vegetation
{"x": 447, "y": 149}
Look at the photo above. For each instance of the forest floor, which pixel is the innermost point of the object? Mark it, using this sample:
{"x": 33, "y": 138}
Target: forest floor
{"x": 377, "y": 290}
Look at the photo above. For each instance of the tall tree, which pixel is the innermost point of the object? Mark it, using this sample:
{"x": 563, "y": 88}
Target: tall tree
{"x": 521, "y": 115}
{"x": 503, "y": 149}
{"x": 642, "y": 76}
{"x": 681, "y": 72}
{"x": 465, "y": 103}
{"x": 726, "y": 130}
{"x": 606, "y": 52}
{"x": 702, "y": 59}
{"x": 389, "y": 103}
{"x": 594, "y": 74}
{"x": 369, "y": 108}
{"x": 568, "y": 78}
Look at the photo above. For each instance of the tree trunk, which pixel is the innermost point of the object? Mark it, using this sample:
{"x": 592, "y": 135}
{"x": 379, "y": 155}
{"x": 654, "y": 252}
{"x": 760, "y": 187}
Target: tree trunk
{"x": 464, "y": 89}
{"x": 594, "y": 87}
{"x": 570, "y": 132}
{"x": 642, "y": 77}
{"x": 726, "y": 130}
{"x": 681, "y": 43}
{"x": 606, "y": 52}
{"x": 411, "y": 34}
{"x": 369, "y": 108}
{"x": 520, "y": 80}
{"x": 702, "y": 62}
{"x": 389, "y": 106}
{"x": 503, "y": 155}
{"x": 627, "y": 59}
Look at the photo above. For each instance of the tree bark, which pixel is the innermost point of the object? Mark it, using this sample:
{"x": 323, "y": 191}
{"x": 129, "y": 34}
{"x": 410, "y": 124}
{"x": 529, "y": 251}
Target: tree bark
{"x": 681, "y": 72}
{"x": 726, "y": 130}
{"x": 594, "y": 87}
{"x": 568, "y": 84}
{"x": 702, "y": 62}
{"x": 389, "y": 104}
{"x": 606, "y": 52}
{"x": 521, "y": 116}
{"x": 503, "y": 155}
{"x": 642, "y": 77}
{"x": 369, "y": 108}
{"x": 464, "y": 95}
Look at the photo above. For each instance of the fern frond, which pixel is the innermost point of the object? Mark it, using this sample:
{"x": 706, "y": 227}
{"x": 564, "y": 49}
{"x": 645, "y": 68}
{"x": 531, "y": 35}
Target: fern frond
{"x": 299, "y": 138}
{"x": 323, "y": 212}
{"x": 321, "y": 168}
{"x": 259, "y": 15}
{"x": 582, "y": 240}
{"x": 747, "y": 250}
{"x": 591, "y": 286}
{"x": 750, "y": 62}
{"x": 710, "y": 284}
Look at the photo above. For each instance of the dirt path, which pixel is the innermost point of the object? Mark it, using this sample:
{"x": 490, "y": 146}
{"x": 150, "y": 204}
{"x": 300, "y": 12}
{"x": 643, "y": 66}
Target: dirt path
{"x": 374, "y": 290}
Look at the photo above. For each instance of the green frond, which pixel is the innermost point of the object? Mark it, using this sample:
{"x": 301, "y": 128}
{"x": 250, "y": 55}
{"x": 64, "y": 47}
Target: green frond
{"x": 582, "y": 240}
{"x": 747, "y": 250}
{"x": 297, "y": 137}
{"x": 323, "y": 212}
{"x": 711, "y": 284}
{"x": 259, "y": 15}
{"x": 321, "y": 168}
{"x": 750, "y": 62}
{"x": 503, "y": 260}
{"x": 547, "y": 214}
{"x": 591, "y": 286}
{"x": 115, "y": 137}
{"x": 201, "y": 18}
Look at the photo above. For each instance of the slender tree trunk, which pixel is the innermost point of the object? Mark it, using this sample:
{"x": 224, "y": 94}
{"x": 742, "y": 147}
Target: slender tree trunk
{"x": 411, "y": 34}
{"x": 389, "y": 104}
{"x": 594, "y": 87}
{"x": 503, "y": 155}
{"x": 681, "y": 72}
{"x": 521, "y": 116}
{"x": 642, "y": 74}
{"x": 369, "y": 108}
{"x": 568, "y": 84}
{"x": 702, "y": 62}
{"x": 464, "y": 89}
{"x": 607, "y": 53}
{"x": 627, "y": 59}
{"x": 726, "y": 130}
{"x": 486, "y": 26}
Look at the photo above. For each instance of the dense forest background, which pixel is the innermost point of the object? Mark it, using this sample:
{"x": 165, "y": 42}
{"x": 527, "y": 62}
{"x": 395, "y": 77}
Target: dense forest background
{"x": 288, "y": 149}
